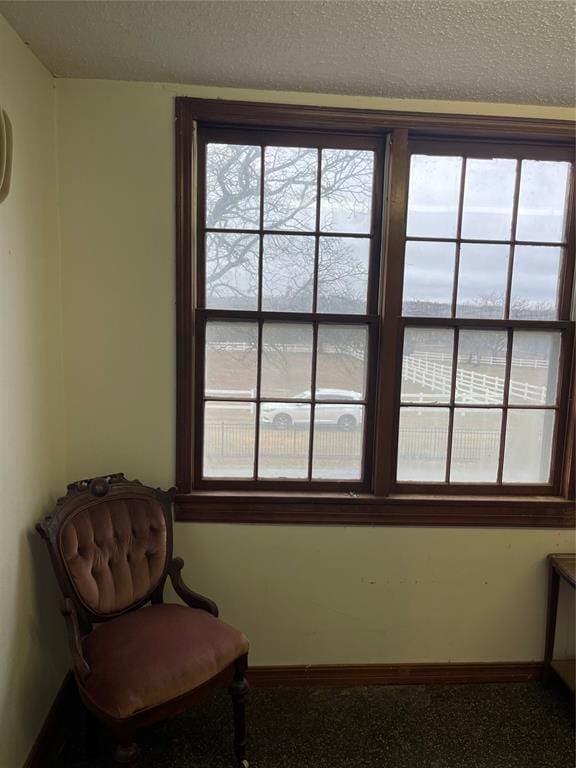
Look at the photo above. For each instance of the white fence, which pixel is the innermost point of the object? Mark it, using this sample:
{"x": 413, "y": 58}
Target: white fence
{"x": 471, "y": 387}
{"x": 441, "y": 357}
{"x": 491, "y": 360}
{"x": 430, "y": 369}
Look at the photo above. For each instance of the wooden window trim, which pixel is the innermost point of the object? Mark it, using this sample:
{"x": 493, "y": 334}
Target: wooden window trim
{"x": 384, "y": 506}
{"x": 371, "y": 121}
{"x": 367, "y": 509}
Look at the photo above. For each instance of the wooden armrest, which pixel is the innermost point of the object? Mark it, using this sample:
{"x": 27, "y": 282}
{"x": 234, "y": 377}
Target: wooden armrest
{"x": 80, "y": 664}
{"x": 192, "y": 599}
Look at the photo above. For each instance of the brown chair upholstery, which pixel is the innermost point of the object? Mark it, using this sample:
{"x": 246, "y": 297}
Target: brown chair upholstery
{"x": 114, "y": 553}
{"x": 148, "y": 657}
{"x": 136, "y": 659}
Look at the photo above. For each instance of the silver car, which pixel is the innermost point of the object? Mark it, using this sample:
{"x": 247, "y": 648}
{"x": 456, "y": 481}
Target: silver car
{"x": 341, "y": 415}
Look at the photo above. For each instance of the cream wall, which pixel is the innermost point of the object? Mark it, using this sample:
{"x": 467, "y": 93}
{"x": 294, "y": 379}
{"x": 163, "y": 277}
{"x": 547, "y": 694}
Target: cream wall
{"x": 304, "y": 595}
{"x": 32, "y": 657}
{"x": 88, "y": 274}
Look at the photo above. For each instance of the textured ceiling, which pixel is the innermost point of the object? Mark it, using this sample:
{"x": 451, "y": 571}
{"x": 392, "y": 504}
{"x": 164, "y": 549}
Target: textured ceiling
{"x": 517, "y": 51}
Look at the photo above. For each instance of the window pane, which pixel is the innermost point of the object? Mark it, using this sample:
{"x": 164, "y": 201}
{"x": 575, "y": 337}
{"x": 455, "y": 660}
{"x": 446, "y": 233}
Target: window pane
{"x": 488, "y": 199}
{"x": 284, "y": 440}
{"x": 422, "y": 444}
{"x": 427, "y": 365}
{"x": 231, "y": 359}
{"x": 343, "y": 275}
{"x": 346, "y": 198}
{"x": 229, "y": 429}
{"x": 534, "y": 372}
{"x": 535, "y": 282}
{"x": 528, "y": 449}
{"x": 286, "y": 360}
{"x": 338, "y": 439}
{"x": 476, "y": 445}
{"x": 341, "y": 362}
{"x": 231, "y": 271}
{"x": 288, "y": 273}
{"x": 433, "y": 196}
{"x": 290, "y": 188}
{"x": 428, "y": 279}
{"x": 482, "y": 280}
{"x": 481, "y": 366}
{"x": 543, "y": 200}
{"x": 232, "y": 186}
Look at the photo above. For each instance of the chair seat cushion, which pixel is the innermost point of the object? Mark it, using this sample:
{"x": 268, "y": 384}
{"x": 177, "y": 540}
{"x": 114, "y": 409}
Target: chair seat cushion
{"x": 151, "y": 656}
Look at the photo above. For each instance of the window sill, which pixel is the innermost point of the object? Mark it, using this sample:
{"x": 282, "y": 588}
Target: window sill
{"x": 367, "y": 509}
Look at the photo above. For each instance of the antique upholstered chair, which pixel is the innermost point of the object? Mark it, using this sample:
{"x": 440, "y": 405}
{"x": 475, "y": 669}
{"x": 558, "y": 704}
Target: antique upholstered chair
{"x": 136, "y": 659}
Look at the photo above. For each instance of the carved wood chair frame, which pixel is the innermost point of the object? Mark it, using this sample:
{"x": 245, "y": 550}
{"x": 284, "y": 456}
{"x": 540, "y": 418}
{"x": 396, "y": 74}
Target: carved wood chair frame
{"x": 80, "y": 619}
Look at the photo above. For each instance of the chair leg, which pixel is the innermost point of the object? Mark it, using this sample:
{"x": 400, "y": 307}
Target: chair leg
{"x": 238, "y": 690}
{"x": 127, "y": 751}
{"x": 92, "y": 741}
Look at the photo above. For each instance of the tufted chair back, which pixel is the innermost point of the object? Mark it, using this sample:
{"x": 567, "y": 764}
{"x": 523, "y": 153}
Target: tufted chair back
{"x": 110, "y": 541}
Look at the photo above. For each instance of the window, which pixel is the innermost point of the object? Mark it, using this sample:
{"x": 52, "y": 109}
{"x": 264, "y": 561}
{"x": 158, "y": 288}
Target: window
{"x": 483, "y": 339}
{"x": 287, "y": 292}
{"x": 373, "y": 325}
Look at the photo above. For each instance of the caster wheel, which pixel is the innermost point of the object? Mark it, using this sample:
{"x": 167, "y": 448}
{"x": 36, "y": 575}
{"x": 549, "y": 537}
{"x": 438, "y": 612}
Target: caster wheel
{"x": 126, "y": 754}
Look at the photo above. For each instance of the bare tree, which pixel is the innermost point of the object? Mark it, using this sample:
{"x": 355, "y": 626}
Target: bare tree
{"x": 290, "y": 197}
{"x": 234, "y": 251}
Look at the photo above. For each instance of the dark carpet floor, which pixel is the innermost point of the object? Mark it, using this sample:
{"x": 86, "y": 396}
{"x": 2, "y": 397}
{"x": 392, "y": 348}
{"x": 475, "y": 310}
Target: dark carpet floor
{"x": 441, "y": 726}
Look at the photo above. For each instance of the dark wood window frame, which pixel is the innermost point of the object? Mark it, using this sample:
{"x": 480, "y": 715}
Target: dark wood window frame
{"x": 314, "y": 318}
{"x": 383, "y": 502}
{"x": 563, "y": 325}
